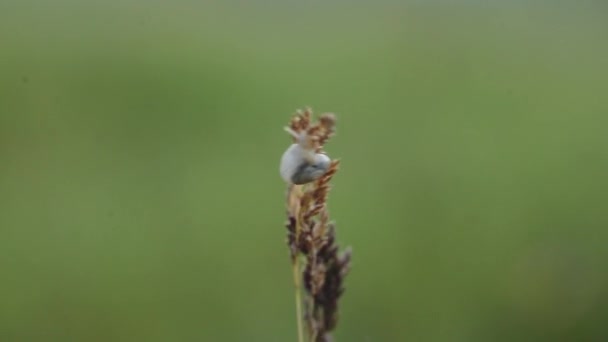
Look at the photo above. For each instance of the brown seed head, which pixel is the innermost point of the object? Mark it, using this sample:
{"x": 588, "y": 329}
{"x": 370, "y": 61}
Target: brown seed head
{"x": 312, "y": 234}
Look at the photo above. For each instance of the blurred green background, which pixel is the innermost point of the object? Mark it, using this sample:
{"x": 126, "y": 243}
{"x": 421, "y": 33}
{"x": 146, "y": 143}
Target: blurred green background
{"x": 140, "y": 198}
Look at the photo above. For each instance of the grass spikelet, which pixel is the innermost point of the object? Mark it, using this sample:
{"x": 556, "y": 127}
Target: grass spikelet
{"x": 319, "y": 267}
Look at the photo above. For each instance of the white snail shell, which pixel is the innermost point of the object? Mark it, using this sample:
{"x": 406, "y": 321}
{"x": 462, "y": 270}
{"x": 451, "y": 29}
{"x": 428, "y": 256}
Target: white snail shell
{"x": 300, "y": 165}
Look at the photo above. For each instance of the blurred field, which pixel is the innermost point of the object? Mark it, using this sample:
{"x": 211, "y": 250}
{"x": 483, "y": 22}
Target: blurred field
{"x": 139, "y": 191}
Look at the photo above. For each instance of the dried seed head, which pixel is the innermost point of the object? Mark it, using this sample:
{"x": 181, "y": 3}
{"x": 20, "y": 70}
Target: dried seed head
{"x": 310, "y": 231}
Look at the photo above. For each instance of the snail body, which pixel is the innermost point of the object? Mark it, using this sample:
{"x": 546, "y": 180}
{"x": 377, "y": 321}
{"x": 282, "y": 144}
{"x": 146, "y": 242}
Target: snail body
{"x": 300, "y": 164}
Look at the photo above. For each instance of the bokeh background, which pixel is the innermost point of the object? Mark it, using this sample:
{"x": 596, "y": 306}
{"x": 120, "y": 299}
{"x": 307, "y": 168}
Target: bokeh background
{"x": 139, "y": 146}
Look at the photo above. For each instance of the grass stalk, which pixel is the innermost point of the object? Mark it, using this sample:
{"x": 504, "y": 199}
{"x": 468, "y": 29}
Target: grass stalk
{"x": 298, "y": 296}
{"x": 319, "y": 268}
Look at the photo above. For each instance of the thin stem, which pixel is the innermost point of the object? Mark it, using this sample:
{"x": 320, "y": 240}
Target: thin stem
{"x": 296, "y": 280}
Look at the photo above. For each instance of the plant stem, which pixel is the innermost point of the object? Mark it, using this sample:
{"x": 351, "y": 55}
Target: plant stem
{"x": 296, "y": 280}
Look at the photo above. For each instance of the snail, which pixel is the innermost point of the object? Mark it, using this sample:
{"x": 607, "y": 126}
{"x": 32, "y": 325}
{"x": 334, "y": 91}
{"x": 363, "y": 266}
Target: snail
{"x": 300, "y": 163}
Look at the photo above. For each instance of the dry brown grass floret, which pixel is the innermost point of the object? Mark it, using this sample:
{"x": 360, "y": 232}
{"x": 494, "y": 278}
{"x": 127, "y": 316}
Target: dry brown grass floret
{"x": 311, "y": 236}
